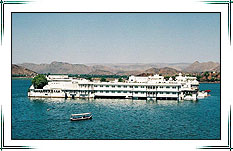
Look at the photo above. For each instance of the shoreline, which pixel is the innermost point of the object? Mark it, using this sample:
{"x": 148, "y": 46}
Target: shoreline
{"x": 32, "y": 78}
{"x": 21, "y": 77}
{"x": 210, "y": 82}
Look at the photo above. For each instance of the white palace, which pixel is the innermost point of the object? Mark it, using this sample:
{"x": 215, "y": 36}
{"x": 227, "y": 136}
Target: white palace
{"x": 151, "y": 87}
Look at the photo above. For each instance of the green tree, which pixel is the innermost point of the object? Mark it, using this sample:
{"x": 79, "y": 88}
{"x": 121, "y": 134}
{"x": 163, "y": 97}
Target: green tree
{"x": 167, "y": 77}
{"x": 198, "y": 77}
{"x": 206, "y": 74}
{"x": 39, "y": 81}
{"x": 173, "y": 77}
{"x": 120, "y": 80}
{"x": 103, "y": 79}
{"x": 89, "y": 78}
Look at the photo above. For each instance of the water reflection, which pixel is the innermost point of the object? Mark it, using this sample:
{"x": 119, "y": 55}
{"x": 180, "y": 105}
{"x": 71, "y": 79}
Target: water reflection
{"x": 107, "y": 102}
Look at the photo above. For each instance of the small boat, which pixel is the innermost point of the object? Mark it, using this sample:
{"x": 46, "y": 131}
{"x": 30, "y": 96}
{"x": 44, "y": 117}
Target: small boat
{"x": 202, "y": 94}
{"x": 79, "y": 117}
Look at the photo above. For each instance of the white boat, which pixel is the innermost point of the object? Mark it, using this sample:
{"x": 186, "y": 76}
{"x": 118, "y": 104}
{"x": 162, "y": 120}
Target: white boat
{"x": 79, "y": 117}
{"x": 202, "y": 94}
{"x": 190, "y": 97}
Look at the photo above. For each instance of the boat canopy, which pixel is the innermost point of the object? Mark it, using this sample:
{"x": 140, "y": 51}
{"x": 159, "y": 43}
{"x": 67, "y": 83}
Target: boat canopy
{"x": 80, "y": 114}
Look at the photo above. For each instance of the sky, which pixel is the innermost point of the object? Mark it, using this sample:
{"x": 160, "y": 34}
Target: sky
{"x": 84, "y": 38}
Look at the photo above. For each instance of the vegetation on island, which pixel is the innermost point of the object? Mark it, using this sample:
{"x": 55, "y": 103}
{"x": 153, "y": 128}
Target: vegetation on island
{"x": 208, "y": 76}
{"x": 103, "y": 79}
{"x": 89, "y": 78}
{"x": 39, "y": 81}
{"x": 120, "y": 80}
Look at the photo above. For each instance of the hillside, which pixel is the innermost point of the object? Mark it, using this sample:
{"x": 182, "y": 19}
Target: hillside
{"x": 202, "y": 67}
{"x": 166, "y": 71}
{"x": 18, "y": 70}
{"x": 101, "y": 72}
{"x": 134, "y": 72}
{"x": 217, "y": 69}
{"x": 59, "y": 68}
{"x": 123, "y": 68}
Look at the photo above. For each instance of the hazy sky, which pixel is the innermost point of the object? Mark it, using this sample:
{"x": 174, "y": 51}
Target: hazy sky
{"x": 115, "y": 37}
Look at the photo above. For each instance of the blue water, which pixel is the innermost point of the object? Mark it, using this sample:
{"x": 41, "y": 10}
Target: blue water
{"x": 114, "y": 118}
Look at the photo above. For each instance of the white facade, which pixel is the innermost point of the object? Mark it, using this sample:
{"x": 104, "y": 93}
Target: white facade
{"x": 151, "y": 87}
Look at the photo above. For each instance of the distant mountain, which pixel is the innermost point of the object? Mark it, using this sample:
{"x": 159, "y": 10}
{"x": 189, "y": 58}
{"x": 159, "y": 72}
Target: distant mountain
{"x": 135, "y": 72}
{"x": 101, "y": 67}
{"x": 217, "y": 69}
{"x": 202, "y": 67}
{"x": 101, "y": 72}
{"x": 122, "y": 68}
{"x": 18, "y": 70}
{"x": 164, "y": 71}
{"x": 58, "y": 68}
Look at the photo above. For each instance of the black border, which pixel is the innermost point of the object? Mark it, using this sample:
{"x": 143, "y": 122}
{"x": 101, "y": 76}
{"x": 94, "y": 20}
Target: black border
{"x": 120, "y": 13}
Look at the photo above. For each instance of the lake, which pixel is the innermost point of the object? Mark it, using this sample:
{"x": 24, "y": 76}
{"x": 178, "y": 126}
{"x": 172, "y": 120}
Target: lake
{"x": 114, "y": 118}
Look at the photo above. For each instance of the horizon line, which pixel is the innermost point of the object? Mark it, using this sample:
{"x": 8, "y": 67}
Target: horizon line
{"x": 120, "y": 63}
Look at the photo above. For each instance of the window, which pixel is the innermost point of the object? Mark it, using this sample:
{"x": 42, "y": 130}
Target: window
{"x": 95, "y": 85}
{"x": 125, "y": 91}
{"x": 167, "y": 93}
{"x": 131, "y": 86}
{"x": 142, "y": 86}
{"x": 125, "y": 86}
{"x": 161, "y": 87}
{"x": 101, "y": 91}
{"x": 113, "y": 86}
{"x": 173, "y": 92}
{"x": 107, "y": 91}
{"x": 101, "y": 85}
{"x": 136, "y": 86}
{"x": 113, "y": 91}
{"x": 136, "y": 92}
{"x": 119, "y": 86}
{"x": 167, "y": 87}
{"x": 118, "y": 91}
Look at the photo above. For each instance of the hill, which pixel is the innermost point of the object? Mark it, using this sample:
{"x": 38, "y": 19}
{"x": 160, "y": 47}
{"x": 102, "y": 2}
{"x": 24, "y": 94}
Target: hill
{"x": 166, "y": 71}
{"x": 101, "y": 72}
{"x": 133, "y": 72}
{"x": 18, "y": 70}
{"x": 217, "y": 69}
{"x": 120, "y": 68}
{"x": 123, "y": 68}
{"x": 202, "y": 67}
{"x": 59, "y": 68}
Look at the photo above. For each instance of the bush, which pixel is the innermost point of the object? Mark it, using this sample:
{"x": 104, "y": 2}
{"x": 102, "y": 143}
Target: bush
{"x": 103, "y": 79}
{"x": 89, "y": 78}
{"x": 39, "y": 81}
{"x": 120, "y": 80}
